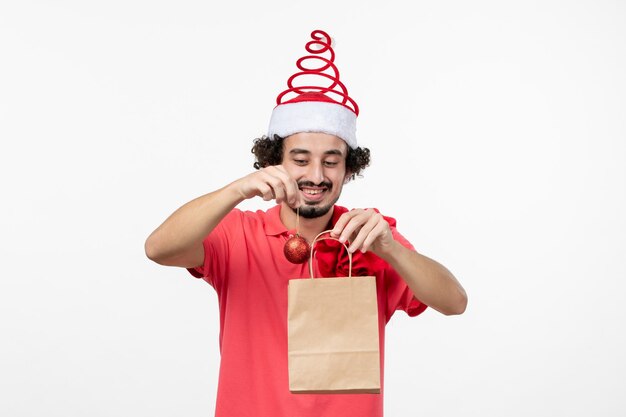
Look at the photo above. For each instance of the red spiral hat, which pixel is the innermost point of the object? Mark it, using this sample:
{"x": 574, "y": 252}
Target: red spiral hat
{"x": 322, "y": 105}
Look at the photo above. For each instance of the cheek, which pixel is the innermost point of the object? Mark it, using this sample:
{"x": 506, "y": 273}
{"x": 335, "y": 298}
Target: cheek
{"x": 290, "y": 167}
{"x": 295, "y": 172}
{"x": 339, "y": 180}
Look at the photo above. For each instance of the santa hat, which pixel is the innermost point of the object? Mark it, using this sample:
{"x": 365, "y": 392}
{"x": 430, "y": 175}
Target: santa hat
{"x": 322, "y": 106}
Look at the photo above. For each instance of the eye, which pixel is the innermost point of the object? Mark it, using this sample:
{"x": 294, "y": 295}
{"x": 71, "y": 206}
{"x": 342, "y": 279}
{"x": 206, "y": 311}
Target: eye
{"x": 300, "y": 161}
{"x": 330, "y": 163}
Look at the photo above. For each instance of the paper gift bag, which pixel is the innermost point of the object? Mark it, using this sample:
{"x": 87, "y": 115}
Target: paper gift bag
{"x": 333, "y": 338}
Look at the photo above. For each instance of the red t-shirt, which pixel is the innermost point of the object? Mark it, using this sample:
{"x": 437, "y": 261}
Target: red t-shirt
{"x": 245, "y": 264}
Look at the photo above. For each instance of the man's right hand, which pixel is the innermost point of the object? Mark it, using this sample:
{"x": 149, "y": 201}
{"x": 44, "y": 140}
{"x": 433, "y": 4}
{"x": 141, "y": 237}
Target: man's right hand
{"x": 270, "y": 183}
{"x": 178, "y": 241}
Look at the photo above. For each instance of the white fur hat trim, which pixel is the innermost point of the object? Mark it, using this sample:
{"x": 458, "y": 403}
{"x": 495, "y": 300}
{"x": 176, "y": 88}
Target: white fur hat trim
{"x": 314, "y": 116}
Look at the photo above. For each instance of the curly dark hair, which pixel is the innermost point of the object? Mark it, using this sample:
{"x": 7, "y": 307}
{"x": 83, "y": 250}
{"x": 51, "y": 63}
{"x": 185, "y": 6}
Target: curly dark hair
{"x": 270, "y": 152}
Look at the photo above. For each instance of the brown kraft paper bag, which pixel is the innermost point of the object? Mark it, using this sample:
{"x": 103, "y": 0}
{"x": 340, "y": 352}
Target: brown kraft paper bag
{"x": 333, "y": 341}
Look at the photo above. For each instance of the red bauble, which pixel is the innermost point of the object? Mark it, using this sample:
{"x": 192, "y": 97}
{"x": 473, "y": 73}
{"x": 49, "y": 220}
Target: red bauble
{"x": 297, "y": 249}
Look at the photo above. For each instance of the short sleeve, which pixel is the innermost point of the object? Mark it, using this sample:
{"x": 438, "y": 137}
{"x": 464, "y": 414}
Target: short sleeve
{"x": 217, "y": 247}
{"x": 399, "y": 295}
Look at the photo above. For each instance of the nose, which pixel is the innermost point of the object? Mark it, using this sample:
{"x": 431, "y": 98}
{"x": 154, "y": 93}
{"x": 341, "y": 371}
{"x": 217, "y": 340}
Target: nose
{"x": 316, "y": 172}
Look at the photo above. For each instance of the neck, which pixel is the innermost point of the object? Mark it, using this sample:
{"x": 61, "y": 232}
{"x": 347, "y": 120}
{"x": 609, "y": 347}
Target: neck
{"x": 307, "y": 228}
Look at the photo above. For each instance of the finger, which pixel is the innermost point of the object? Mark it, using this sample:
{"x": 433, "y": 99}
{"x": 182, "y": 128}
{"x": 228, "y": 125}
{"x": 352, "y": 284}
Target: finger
{"x": 341, "y": 223}
{"x": 293, "y": 192}
{"x": 279, "y": 189}
{"x": 265, "y": 191}
{"x": 378, "y": 231}
{"x": 290, "y": 186}
{"x": 276, "y": 184}
{"x": 351, "y": 229}
{"x": 364, "y": 233}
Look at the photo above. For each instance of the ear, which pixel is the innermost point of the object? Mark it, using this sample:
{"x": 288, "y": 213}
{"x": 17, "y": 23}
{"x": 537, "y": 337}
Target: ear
{"x": 347, "y": 177}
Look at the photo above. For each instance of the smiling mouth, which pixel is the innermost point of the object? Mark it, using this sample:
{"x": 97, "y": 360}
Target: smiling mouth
{"x": 313, "y": 193}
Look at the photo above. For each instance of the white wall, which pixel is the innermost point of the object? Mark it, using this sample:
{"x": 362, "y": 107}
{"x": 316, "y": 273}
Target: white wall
{"x": 497, "y": 131}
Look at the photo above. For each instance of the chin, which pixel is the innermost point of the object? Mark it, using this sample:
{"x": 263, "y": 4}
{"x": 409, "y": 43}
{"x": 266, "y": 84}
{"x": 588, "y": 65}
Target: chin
{"x": 314, "y": 211}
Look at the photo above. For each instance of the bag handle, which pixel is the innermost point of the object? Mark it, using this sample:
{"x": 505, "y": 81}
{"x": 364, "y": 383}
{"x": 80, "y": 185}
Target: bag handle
{"x": 318, "y": 238}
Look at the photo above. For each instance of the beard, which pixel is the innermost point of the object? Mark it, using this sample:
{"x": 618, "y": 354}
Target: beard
{"x": 313, "y": 210}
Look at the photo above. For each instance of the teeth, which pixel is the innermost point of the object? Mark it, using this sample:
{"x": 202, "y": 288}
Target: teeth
{"x": 312, "y": 192}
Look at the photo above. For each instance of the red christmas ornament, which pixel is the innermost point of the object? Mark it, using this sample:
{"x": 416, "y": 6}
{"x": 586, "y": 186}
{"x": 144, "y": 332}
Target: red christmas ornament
{"x": 297, "y": 249}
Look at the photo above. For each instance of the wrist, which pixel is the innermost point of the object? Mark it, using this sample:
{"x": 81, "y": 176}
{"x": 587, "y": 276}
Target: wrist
{"x": 389, "y": 251}
{"x": 234, "y": 193}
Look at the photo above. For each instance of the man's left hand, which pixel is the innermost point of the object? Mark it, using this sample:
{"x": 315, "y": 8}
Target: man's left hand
{"x": 365, "y": 229}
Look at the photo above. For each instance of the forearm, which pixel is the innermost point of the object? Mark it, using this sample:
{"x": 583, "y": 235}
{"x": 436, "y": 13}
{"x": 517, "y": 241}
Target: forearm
{"x": 430, "y": 281}
{"x": 178, "y": 241}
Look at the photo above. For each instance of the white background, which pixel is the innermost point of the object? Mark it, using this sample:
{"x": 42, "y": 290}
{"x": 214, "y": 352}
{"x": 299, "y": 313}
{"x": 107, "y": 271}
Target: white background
{"x": 497, "y": 131}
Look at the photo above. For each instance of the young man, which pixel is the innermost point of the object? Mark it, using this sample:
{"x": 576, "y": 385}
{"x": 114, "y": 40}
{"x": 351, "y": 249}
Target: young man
{"x": 309, "y": 154}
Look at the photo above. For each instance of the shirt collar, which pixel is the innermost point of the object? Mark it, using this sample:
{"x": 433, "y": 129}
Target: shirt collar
{"x": 273, "y": 225}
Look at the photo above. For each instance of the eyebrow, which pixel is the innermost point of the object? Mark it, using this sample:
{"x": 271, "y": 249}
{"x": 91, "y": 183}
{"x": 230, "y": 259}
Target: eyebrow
{"x": 297, "y": 151}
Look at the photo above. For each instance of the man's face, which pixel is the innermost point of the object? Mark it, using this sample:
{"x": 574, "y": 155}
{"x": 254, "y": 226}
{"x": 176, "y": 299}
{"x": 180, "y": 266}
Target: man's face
{"x": 317, "y": 162}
